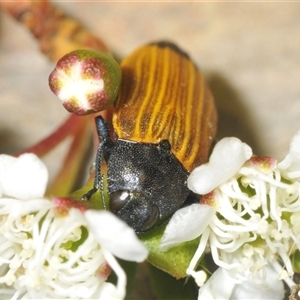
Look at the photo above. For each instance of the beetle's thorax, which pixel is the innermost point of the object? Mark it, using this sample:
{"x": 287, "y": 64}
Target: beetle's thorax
{"x": 151, "y": 174}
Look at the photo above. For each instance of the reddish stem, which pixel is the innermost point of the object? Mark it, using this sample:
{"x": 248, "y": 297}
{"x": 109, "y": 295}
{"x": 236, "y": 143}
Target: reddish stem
{"x": 70, "y": 126}
{"x": 71, "y": 170}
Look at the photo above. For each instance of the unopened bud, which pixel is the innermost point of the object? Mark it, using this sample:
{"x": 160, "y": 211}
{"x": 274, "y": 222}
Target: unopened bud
{"x": 86, "y": 81}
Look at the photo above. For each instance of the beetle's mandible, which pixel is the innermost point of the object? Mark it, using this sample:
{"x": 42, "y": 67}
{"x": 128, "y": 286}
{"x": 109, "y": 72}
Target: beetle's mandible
{"x": 164, "y": 121}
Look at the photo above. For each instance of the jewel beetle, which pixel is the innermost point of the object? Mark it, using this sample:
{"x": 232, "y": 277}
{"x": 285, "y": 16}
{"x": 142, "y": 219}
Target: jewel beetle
{"x": 164, "y": 123}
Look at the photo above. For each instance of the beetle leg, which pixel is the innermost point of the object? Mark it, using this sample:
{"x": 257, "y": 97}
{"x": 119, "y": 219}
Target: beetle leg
{"x": 105, "y": 144}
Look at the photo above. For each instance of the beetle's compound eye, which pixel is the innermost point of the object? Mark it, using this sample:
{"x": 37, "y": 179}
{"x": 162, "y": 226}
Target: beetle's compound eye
{"x": 118, "y": 200}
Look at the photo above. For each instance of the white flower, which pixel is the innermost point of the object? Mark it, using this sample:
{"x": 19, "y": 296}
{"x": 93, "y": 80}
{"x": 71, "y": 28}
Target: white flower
{"x": 211, "y": 174}
{"x": 222, "y": 286}
{"x": 252, "y": 226}
{"x": 14, "y": 179}
{"x": 49, "y": 249}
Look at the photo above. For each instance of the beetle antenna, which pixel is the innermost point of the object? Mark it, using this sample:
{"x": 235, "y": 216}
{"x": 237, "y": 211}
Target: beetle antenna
{"x": 102, "y": 191}
{"x": 103, "y": 135}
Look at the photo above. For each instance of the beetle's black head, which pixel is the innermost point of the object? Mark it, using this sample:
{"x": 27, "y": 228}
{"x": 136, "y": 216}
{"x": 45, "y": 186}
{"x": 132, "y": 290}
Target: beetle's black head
{"x": 134, "y": 208}
{"x": 146, "y": 183}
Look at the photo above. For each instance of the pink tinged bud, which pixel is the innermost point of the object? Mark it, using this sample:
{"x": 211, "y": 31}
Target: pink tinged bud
{"x": 86, "y": 81}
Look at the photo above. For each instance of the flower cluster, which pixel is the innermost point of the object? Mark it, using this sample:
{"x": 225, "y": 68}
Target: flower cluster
{"x": 54, "y": 248}
{"x": 248, "y": 218}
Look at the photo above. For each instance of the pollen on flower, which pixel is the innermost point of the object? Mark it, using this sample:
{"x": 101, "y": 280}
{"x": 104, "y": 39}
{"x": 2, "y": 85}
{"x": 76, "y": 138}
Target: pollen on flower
{"x": 263, "y": 227}
{"x": 254, "y": 203}
{"x": 248, "y": 250}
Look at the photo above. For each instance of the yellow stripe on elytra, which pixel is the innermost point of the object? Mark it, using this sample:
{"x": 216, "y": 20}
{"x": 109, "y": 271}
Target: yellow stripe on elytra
{"x": 141, "y": 101}
{"x": 185, "y": 111}
{"x": 195, "y": 122}
{"x": 159, "y": 93}
{"x": 162, "y": 97}
{"x": 188, "y": 109}
{"x": 175, "y": 98}
{"x": 178, "y": 95}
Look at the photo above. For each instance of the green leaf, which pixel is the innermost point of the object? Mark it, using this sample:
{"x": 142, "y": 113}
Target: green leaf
{"x": 176, "y": 260}
{"x": 295, "y": 258}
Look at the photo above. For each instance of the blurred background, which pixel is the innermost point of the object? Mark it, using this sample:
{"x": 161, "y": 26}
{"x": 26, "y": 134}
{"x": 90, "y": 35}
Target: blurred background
{"x": 249, "y": 53}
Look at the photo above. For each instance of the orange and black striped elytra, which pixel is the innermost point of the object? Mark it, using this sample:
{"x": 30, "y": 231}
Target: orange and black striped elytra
{"x": 164, "y": 122}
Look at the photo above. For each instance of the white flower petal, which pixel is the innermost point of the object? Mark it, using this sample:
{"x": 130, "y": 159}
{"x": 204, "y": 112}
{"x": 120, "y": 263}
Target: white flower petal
{"x": 24, "y": 177}
{"x": 116, "y": 236}
{"x": 293, "y": 157}
{"x": 219, "y": 286}
{"x": 272, "y": 288}
{"x": 295, "y": 146}
{"x": 5, "y": 162}
{"x": 226, "y": 159}
{"x": 186, "y": 224}
{"x": 119, "y": 291}
{"x": 108, "y": 292}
